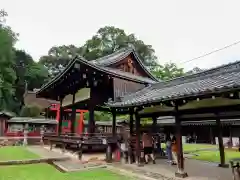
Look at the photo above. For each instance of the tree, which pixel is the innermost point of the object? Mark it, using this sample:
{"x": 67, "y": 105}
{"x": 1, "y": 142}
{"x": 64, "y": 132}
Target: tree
{"x": 106, "y": 41}
{"x": 7, "y": 73}
{"x": 110, "y": 39}
{"x": 28, "y": 73}
{"x": 30, "y": 111}
{"x": 167, "y": 71}
{"x": 194, "y": 70}
{"x": 58, "y": 57}
{"x": 99, "y": 116}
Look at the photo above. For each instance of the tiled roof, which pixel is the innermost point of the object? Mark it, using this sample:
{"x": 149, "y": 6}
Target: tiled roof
{"x": 120, "y": 55}
{"x": 222, "y": 78}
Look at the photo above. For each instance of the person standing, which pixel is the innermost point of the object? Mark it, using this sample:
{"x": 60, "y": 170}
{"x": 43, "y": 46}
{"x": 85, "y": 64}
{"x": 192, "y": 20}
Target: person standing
{"x": 147, "y": 141}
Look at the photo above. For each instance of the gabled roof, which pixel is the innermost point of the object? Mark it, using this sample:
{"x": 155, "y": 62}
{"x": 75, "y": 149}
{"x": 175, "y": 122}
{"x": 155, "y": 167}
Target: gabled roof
{"x": 60, "y": 78}
{"x": 220, "y": 79}
{"x": 118, "y": 56}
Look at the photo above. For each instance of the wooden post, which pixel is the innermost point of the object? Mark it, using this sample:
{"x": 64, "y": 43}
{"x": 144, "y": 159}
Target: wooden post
{"x": 60, "y": 118}
{"x": 114, "y": 122}
{"x": 73, "y": 116}
{"x": 109, "y": 153}
{"x": 154, "y": 125}
{"x": 91, "y": 120}
{"x": 91, "y": 123}
{"x": 131, "y": 123}
{"x": 211, "y": 135}
{"x": 230, "y": 136}
{"x": 220, "y": 142}
{"x": 180, "y": 171}
{"x": 138, "y": 148}
{"x": 81, "y": 123}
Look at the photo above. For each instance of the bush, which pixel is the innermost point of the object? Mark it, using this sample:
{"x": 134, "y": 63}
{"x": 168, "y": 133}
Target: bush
{"x": 30, "y": 111}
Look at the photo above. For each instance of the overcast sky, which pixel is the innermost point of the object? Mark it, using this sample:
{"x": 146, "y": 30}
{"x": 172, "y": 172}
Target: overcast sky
{"x": 178, "y": 30}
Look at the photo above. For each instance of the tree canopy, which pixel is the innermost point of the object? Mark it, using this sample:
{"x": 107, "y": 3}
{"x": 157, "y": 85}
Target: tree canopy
{"x": 17, "y": 69}
{"x": 106, "y": 41}
{"x": 19, "y": 72}
{"x": 7, "y": 73}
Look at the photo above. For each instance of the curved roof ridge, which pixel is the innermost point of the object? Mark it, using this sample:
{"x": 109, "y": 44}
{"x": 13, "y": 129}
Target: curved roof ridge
{"x": 122, "y": 50}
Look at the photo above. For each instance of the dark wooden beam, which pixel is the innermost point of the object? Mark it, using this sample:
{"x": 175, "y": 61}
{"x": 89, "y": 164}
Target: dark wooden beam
{"x": 131, "y": 122}
{"x": 137, "y": 127}
{"x": 73, "y": 115}
{"x": 154, "y": 124}
{"x": 113, "y": 121}
{"x": 180, "y": 172}
{"x": 60, "y": 118}
{"x": 220, "y": 109}
{"x": 220, "y": 143}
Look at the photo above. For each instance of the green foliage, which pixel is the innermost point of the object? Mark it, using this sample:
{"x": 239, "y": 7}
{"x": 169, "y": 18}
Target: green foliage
{"x": 106, "y": 41}
{"x": 99, "y": 116}
{"x": 30, "y": 111}
{"x": 7, "y": 73}
{"x": 110, "y": 39}
{"x": 167, "y": 71}
{"x": 58, "y": 57}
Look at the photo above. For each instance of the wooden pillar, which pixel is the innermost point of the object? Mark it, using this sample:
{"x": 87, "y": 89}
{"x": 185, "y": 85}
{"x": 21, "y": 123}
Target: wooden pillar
{"x": 220, "y": 142}
{"x": 73, "y": 116}
{"x": 180, "y": 164}
{"x": 114, "y": 122}
{"x": 230, "y": 135}
{"x": 131, "y": 123}
{"x": 154, "y": 125}
{"x": 60, "y": 118}
{"x": 211, "y": 136}
{"x": 92, "y": 103}
{"x": 138, "y": 148}
{"x": 91, "y": 121}
{"x": 81, "y": 123}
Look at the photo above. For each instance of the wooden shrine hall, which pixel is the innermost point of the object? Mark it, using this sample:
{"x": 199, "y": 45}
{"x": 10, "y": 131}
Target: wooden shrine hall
{"x": 119, "y": 83}
{"x": 109, "y": 77}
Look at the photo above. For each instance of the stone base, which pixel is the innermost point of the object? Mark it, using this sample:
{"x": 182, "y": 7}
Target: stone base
{"x": 181, "y": 174}
{"x": 223, "y": 165}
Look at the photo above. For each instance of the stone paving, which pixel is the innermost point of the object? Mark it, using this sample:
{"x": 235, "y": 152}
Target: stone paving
{"x": 196, "y": 170}
{"x": 44, "y": 153}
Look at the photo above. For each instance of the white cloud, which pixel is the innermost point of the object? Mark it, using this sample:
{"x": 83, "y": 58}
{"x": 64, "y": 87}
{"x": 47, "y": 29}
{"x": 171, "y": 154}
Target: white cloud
{"x": 178, "y": 30}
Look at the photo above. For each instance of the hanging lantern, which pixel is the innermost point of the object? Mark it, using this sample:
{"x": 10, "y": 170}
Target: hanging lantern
{"x": 77, "y": 66}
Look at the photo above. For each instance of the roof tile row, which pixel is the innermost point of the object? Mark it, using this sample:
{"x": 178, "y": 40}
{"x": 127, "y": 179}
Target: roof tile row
{"x": 217, "y": 79}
